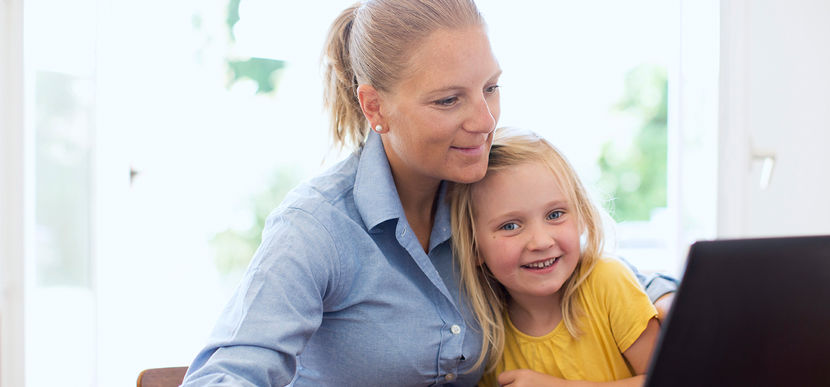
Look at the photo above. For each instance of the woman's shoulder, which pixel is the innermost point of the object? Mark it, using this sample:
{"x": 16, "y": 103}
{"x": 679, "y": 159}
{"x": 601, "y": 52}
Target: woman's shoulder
{"x": 329, "y": 186}
{"x": 313, "y": 218}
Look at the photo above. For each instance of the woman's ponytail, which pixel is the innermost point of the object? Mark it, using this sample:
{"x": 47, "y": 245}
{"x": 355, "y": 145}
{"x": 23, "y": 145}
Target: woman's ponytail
{"x": 348, "y": 125}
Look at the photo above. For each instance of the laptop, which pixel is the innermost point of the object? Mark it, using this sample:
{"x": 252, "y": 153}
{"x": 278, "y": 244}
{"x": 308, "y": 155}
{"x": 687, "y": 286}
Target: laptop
{"x": 749, "y": 312}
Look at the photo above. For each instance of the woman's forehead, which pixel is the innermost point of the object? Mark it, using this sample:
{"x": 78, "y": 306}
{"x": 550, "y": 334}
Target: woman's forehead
{"x": 447, "y": 59}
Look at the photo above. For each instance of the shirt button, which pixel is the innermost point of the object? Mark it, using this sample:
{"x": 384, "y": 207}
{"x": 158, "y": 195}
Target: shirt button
{"x": 450, "y": 377}
{"x": 455, "y": 329}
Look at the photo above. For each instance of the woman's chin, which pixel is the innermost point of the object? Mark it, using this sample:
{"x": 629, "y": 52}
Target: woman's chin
{"x": 468, "y": 175}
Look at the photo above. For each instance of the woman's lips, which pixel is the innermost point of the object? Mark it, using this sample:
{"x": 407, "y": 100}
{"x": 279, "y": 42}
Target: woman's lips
{"x": 470, "y": 151}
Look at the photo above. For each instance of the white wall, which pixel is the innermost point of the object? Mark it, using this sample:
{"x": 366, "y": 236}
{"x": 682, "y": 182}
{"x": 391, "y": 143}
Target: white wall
{"x": 11, "y": 194}
{"x": 775, "y": 109}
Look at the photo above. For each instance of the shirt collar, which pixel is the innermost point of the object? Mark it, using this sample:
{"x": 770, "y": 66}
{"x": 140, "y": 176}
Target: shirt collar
{"x": 376, "y": 196}
{"x": 441, "y": 225}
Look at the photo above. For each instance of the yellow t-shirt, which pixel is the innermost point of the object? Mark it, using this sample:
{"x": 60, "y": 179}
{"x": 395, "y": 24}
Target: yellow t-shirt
{"x": 616, "y": 312}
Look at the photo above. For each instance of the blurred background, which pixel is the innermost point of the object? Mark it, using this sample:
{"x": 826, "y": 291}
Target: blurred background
{"x": 154, "y": 137}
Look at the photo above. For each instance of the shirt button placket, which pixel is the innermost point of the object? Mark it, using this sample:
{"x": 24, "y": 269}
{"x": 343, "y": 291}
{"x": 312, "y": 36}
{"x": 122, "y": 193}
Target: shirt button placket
{"x": 455, "y": 329}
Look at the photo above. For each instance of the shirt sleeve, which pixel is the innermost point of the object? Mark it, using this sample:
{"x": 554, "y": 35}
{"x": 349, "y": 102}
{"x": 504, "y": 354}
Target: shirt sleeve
{"x": 629, "y": 309}
{"x": 275, "y": 310}
{"x": 656, "y": 285}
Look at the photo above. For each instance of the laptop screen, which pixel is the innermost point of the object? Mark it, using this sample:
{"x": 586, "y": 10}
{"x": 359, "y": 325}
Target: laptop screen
{"x": 749, "y": 312}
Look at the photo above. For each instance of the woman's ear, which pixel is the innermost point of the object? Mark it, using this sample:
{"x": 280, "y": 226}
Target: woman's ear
{"x": 370, "y": 105}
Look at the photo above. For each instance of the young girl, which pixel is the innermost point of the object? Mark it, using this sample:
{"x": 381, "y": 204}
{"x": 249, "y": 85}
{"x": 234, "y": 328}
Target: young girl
{"x": 553, "y": 309}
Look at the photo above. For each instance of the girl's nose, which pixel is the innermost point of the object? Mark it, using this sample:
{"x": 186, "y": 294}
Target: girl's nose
{"x": 541, "y": 239}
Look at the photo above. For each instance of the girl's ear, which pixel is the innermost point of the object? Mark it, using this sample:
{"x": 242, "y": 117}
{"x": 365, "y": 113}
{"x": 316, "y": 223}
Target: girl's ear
{"x": 370, "y": 105}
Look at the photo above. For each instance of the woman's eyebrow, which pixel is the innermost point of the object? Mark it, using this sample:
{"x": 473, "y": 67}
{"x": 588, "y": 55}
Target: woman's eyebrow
{"x": 457, "y": 88}
{"x": 446, "y": 90}
{"x": 496, "y": 75}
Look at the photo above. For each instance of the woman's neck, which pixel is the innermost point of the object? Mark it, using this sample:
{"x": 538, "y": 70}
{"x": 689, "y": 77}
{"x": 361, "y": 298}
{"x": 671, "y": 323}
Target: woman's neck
{"x": 535, "y": 316}
{"x": 418, "y": 199}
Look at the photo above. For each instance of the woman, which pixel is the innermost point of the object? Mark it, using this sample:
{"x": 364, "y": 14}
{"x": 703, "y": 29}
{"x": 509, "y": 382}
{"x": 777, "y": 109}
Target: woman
{"x": 354, "y": 283}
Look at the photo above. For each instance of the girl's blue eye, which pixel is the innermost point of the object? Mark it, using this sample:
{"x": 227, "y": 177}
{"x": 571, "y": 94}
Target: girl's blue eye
{"x": 491, "y": 89}
{"x": 555, "y": 215}
{"x": 510, "y": 227}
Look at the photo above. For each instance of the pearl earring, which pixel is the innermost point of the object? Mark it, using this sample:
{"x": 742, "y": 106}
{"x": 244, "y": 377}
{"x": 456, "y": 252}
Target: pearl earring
{"x": 378, "y": 128}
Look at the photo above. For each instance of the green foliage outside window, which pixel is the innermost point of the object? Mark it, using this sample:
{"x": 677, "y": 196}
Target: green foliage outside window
{"x": 263, "y": 71}
{"x": 634, "y": 174}
{"x": 234, "y": 248}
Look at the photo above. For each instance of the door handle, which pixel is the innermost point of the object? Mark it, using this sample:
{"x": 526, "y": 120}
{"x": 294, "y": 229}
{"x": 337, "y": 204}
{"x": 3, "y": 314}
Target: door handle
{"x": 768, "y": 165}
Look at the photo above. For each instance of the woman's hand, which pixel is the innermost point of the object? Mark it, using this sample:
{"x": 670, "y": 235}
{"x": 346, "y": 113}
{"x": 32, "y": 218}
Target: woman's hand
{"x": 524, "y": 377}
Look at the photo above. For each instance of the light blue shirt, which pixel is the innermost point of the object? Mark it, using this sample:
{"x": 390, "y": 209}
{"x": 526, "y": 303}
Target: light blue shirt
{"x": 341, "y": 293}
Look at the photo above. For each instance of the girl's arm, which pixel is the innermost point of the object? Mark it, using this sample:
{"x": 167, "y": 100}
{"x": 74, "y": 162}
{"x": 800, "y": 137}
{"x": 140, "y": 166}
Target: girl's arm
{"x": 528, "y": 378}
{"x": 638, "y": 355}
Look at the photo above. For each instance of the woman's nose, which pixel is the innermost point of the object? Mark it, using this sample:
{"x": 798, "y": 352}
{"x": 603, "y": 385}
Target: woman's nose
{"x": 481, "y": 118}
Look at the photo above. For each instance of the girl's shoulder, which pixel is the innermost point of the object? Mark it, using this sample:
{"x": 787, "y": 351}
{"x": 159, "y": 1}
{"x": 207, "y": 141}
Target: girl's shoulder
{"x": 611, "y": 279}
{"x": 609, "y": 268}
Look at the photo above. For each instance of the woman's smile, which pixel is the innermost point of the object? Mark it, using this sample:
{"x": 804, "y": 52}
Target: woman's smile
{"x": 475, "y": 150}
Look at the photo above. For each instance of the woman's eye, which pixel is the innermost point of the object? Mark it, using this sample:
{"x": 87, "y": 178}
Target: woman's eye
{"x": 447, "y": 101}
{"x": 510, "y": 227}
{"x": 555, "y": 215}
{"x": 491, "y": 89}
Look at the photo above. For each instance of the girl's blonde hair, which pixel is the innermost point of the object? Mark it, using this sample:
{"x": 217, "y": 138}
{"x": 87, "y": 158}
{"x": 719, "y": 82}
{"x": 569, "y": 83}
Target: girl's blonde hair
{"x": 370, "y": 43}
{"x": 487, "y": 297}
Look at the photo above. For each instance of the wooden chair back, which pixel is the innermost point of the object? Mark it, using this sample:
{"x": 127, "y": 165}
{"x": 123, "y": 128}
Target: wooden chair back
{"x": 161, "y": 377}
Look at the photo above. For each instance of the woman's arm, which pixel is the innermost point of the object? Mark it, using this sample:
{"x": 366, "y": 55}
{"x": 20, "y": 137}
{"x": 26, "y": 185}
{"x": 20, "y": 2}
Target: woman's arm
{"x": 276, "y": 309}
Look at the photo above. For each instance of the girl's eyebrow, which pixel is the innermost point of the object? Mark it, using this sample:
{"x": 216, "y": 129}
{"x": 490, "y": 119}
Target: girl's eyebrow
{"x": 502, "y": 217}
{"x": 558, "y": 203}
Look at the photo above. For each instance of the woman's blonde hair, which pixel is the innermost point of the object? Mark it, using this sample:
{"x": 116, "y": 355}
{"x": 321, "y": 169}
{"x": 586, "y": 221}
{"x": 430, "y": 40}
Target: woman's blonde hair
{"x": 370, "y": 43}
{"x": 487, "y": 297}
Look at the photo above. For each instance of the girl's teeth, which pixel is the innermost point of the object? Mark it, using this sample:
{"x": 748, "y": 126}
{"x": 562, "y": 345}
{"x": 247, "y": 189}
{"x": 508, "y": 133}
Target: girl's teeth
{"x": 543, "y": 264}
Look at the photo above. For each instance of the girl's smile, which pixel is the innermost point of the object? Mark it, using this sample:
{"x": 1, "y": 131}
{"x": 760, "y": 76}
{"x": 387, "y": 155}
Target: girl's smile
{"x": 541, "y": 266}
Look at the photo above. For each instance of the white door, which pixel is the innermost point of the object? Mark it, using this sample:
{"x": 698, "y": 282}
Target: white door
{"x": 774, "y": 174}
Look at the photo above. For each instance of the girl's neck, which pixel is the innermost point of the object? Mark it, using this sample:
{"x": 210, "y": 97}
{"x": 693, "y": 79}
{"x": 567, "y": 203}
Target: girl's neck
{"x": 535, "y": 316}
